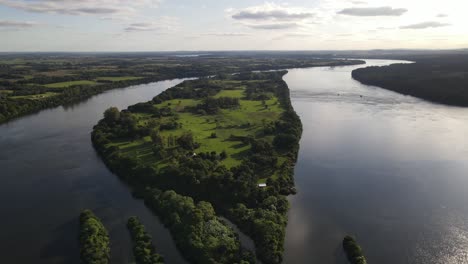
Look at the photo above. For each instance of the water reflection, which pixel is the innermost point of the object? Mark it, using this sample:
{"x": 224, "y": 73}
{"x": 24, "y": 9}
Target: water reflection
{"x": 50, "y": 172}
{"x": 385, "y": 167}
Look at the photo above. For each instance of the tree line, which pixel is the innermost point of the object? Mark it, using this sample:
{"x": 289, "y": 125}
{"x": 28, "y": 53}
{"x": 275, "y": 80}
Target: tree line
{"x": 95, "y": 243}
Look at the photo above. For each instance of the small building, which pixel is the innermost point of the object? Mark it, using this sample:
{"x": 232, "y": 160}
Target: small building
{"x": 262, "y": 185}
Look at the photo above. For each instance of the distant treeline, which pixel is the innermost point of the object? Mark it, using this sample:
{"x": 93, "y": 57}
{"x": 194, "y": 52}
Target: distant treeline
{"x": 440, "y": 79}
{"x": 28, "y": 74}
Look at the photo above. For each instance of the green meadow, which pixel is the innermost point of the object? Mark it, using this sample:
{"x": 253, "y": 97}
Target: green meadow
{"x": 35, "y": 96}
{"x": 119, "y": 79}
{"x": 248, "y": 119}
{"x": 69, "y": 84}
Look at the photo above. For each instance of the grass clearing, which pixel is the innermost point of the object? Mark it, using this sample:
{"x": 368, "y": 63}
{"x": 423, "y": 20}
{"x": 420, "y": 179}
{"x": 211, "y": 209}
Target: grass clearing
{"x": 35, "y": 96}
{"x": 119, "y": 79}
{"x": 69, "y": 84}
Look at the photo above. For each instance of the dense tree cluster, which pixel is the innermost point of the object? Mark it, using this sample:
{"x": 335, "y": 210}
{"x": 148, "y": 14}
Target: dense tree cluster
{"x": 143, "y": 248}
{"x": 198, "y": 232}
{"x": 94, "y": 240}
{"x": 353, "y": 251}
{"x": 259, "y": 212}
{"x": 441, "y": 79}
{"x": 212, "y": 105}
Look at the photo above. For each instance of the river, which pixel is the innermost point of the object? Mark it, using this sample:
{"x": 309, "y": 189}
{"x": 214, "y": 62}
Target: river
{"x": 50, "y": 172}
{"x": 387, "y": 168}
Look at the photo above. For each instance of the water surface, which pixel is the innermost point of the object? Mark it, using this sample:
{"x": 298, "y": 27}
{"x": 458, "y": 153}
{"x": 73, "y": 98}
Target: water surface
{"x": 50, "y": 172}
{"x": 387, "y": 168}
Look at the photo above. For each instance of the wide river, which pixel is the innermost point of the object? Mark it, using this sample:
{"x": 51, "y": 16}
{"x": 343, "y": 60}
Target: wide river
{"x": 386, "y": 168}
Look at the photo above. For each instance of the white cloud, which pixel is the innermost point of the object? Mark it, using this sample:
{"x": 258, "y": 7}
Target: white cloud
{"x": 81, "y": 7}
{"x": 226, "y": 34}
{"x": 373, "y": 11}
{"x": 16, "y": 24}
{"x": 424, "y": 25}
{"x": 271, "y": 16}
{"x": 163, "y": 24}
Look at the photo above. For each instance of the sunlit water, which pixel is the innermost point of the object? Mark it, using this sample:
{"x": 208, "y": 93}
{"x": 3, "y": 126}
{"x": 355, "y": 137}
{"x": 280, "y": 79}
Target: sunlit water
{"x": 387, "y": 168}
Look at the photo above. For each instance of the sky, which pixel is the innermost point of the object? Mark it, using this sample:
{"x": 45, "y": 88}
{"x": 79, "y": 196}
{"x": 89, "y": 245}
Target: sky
{"x": 172, "y": 25}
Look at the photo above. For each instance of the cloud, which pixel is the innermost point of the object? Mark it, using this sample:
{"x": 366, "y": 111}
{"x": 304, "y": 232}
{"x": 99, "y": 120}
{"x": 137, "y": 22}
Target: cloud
{"x": 277, "y": 14}
{"x": 227, "y": 34}
{"x": 442, "y": 15}
{"x": 373, "y": 11}
{"x": 163, "y": 24}
{"x": 16, "y": 24}
{"x": 274, "y": 26}
{"x": 82, "y": 7}
{"x": 359, "y": 2}
{"x": 424, "y": 25}
{"x": 271, "y": 16}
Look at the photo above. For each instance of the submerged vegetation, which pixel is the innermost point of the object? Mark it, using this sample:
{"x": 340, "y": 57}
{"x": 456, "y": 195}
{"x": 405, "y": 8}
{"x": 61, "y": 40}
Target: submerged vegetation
{"x": 94, "y": 240}
{"x": 204, "y": 146}
{"x": 31, "y": 82}
{"x": 353, "y": 251}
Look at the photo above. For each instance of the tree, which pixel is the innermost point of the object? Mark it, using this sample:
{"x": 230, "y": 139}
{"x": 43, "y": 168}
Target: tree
{"x": 112, "y": 115}
{"x": 186, "y": 141}
{"x": 223, "y": 155}
{"x": 156, "y": 138}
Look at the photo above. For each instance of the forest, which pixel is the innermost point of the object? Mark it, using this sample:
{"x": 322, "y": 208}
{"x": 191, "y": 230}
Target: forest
{"x": 353, "y": 251}
{"x": 441, "y": 79}
{"x": 94, "y": 240}
{"x": 228, "y": 133}
{"x": 32, "y": 82}
{"x": 143, "y": 247}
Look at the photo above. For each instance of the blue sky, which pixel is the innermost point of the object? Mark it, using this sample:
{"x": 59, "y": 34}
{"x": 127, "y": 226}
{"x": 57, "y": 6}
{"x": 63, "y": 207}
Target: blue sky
{"x": 166, "y": 25}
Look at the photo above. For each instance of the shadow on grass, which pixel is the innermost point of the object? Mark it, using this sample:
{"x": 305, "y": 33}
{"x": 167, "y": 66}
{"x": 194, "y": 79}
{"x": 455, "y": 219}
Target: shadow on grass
{"x": 240, "y": 155}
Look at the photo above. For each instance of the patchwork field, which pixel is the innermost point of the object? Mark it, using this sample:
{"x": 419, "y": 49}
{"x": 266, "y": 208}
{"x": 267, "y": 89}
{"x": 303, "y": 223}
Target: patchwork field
{"x": 212, "y": 132}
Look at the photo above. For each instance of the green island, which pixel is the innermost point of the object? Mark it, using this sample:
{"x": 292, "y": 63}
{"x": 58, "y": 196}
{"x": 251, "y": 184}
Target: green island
{"x": 220, "y": 146}
{"x": 143, "y": 247}
{"x": 94, "y": 240}
{"x": 353, "y": 251}
{"x": 32, "y": 82}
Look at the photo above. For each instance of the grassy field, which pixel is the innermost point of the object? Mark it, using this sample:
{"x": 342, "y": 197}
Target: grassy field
{"x": 119, "y": 79}
{"x": 68, "y": 84}
{"x": 35, "y": 96}
{"x": 246, "y": 120}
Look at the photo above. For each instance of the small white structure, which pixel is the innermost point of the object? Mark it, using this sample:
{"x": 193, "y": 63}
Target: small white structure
{"x": 262, "y": 185}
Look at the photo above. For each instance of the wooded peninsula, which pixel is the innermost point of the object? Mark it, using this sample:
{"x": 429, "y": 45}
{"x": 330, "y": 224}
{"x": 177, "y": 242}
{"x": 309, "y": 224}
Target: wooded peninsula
{"x": 220, "y": 146}
{"x": 440, "y": 78}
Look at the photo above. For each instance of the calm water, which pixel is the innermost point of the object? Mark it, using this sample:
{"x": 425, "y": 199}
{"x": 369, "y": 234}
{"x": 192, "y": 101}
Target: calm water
{"x": 50, "y": 172}
{"x": 386, "y": 168}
